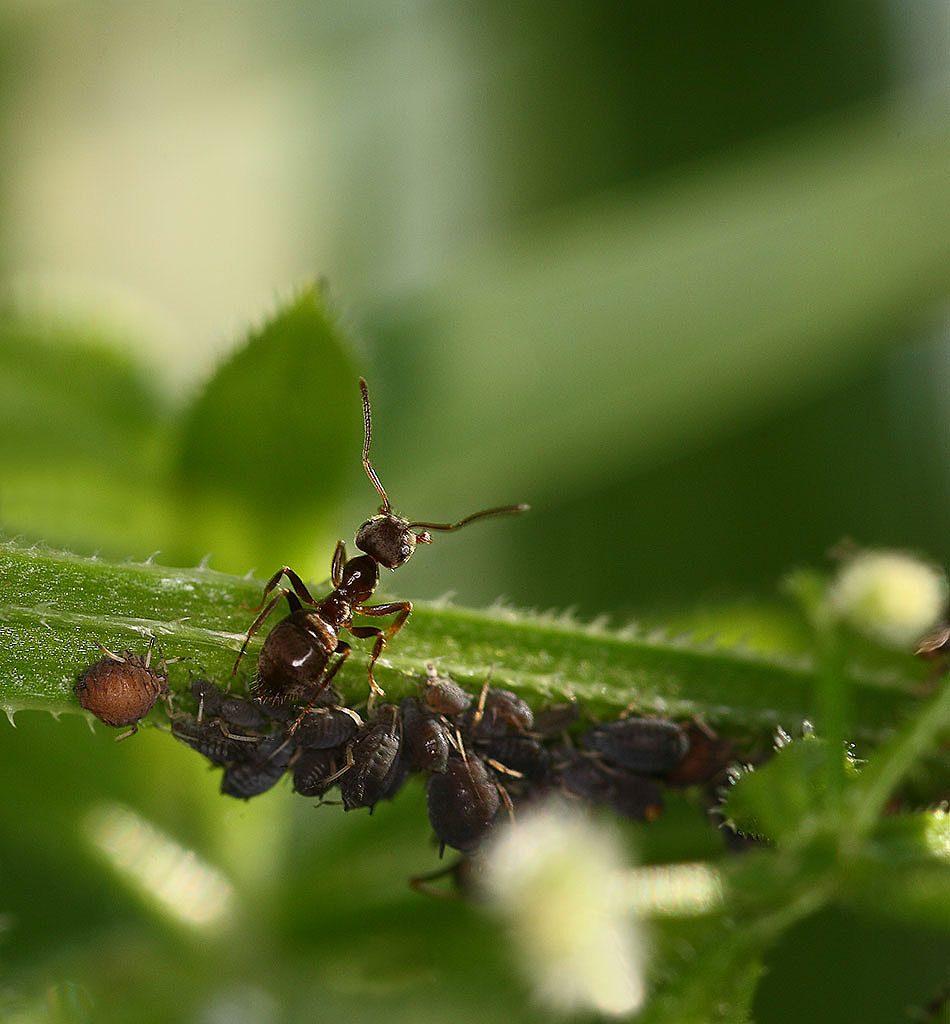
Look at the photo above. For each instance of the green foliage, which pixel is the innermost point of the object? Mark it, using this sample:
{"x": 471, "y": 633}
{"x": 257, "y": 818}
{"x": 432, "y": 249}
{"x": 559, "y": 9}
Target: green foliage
{"x": 259, "y": 460}
{"x": 317, "y": 909}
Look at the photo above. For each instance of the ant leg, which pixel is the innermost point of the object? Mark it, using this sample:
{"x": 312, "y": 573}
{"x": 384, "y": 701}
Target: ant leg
{"x": 256, "y": 625}
{"x": 402, "y": 610}
{"x": 300, "y": 588}
{"x": 362, "y": 632}
{"x": 339, "y": 560}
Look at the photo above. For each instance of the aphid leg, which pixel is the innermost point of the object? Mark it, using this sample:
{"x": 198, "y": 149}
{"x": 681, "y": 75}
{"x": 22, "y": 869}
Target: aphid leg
{"x": 458, "y": 744}
{"x": 148, "y": 653}
{"x": 506, "y": 801}
{"x": 503, "y": 768}
{"x": 350, "y": 761}
{"x": 256, "y": 625}
{"x": 111, "y": 654}
{"x": 236, "y": 736}
{"x": 128, "y": 733}
{"x": 421, "y": 883}
{"x": 480, "y": 710}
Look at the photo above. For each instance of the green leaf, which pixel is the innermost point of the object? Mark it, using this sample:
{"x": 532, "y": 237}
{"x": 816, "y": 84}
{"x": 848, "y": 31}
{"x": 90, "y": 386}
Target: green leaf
{"x": 84, "y": 441}
{"x": 269, "y": 446}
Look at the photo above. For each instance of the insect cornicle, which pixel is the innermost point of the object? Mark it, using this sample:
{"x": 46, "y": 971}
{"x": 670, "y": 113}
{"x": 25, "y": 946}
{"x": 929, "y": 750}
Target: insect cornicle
{"x": 294, "y": 663}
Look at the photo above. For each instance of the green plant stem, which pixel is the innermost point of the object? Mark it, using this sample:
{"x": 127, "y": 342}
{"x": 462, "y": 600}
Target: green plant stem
{"x": 59, "y": 607}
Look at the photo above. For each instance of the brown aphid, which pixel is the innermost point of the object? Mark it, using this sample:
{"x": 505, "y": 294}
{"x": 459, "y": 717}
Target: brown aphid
{"x": 120, "y": 689}
{"x": 462, "y": 803}
{"x": 442, "y": 695}
{"x": 294, "y": 663}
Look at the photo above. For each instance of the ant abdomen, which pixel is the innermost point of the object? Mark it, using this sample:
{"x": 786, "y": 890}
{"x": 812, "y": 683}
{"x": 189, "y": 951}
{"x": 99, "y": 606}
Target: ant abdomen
{"x": 293, "y": 658}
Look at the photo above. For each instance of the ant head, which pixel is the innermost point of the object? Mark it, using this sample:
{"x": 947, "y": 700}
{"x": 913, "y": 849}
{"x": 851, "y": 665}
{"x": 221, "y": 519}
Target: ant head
{"x": 388, "y": 539}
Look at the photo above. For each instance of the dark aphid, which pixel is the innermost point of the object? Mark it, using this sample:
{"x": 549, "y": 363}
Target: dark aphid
{"x": 707, "y": 759}
{"x": 325, "y": 728}
{"x": 260, "y": 769}
{"x": 444, "y": 696}
{"x": 120, "y": 689}
{"x": 315, "y": 771}
{"x": 373, "y": 758}
{"x": 462, "y": 803}
{"x": 497, "y": 712}
{"x": 206, "y": 736}
{"x": 519, "y": 754}
{"x": 637, "y": 797}
{"x": 555, "y": 720}
{"x": 294, "y": 660}
{"x": 236, "y": 712}
{"x": 425, "y": 738}
{"x": 651, "y": 746}
{"x": 632, "y": 796}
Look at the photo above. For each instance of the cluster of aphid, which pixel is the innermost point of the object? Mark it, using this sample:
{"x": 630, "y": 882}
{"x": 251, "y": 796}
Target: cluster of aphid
{"x": 483, "y": 756}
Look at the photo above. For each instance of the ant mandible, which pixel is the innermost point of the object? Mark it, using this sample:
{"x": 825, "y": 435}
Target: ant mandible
{"x": 293, "y": 661}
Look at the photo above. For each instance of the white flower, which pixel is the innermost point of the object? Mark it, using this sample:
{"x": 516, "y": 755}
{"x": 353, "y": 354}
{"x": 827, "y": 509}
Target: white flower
{"x": 559, "y": 879}
{"x": 892, "y": 597}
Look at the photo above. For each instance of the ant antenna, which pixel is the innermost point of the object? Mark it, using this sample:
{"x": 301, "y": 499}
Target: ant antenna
{"x": 502, "y": 510}
{"x": 367, "y": 439}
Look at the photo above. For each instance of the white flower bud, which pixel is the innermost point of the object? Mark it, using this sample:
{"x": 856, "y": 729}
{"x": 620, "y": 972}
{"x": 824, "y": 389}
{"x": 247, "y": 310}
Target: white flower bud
{"x": 890, "y": 596}
{"x": 560, "y": 881}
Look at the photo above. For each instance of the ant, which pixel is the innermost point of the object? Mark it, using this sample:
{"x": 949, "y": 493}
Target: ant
{"x": 294, "y": 657}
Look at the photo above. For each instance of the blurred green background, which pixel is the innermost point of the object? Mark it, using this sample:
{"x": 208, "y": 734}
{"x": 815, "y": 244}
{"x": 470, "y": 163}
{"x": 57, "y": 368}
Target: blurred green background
{"x": 676, "y": 276}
